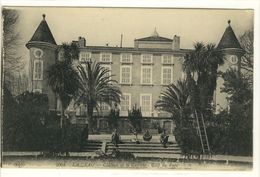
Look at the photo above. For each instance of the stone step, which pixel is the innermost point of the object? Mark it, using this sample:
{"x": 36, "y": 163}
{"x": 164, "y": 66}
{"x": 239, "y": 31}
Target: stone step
{"x": 143, "y": 145}
{"x": 89, "y": 150}
{"x": 143, "y": 142}
{"x": 147, "y": 151}
{"x": 92, "y": 145}
{"x": 92, "y": 142}
{"x": 145, "y": 148}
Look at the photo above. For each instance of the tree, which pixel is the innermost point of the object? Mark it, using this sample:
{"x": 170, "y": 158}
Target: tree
{"x": 247, "y": 63}
{"x": 240, "y": 113}
{"x": 63, "y": 78}
{"x": 12, "y": 62}
{"x": 201, "y": 67}
{"x": 176, "y": 100}
{"x": 135, "y": 118}
{"x": 96, "y": 86}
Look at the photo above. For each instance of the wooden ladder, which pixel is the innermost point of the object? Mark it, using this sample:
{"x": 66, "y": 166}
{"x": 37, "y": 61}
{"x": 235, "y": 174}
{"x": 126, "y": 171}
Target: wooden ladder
{"x": 202, "y": 134}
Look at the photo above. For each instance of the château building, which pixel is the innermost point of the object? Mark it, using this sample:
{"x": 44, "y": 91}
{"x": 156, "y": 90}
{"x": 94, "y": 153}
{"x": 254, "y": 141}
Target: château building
{"x": 142, "y": 71}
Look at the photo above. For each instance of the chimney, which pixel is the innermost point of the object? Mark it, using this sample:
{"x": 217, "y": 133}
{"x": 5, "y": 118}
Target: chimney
{"x": 82, "y": 42}
{"x": 176, "y": 43}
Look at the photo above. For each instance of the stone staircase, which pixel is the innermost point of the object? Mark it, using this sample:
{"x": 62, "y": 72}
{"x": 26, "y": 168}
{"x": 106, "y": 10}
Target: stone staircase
{"x": 92, "y": 146}
{"x": 145, "y": 147}
{"x": 132, "y": 147}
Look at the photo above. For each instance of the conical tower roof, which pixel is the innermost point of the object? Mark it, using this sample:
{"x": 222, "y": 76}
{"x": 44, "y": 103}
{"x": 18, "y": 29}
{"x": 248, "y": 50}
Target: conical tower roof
{"x": 229, "y": 39}
{"x": 43, "y": 33}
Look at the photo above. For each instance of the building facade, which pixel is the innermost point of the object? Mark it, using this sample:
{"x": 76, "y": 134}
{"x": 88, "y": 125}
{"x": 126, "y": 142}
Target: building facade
{"x": 142, "y": 71}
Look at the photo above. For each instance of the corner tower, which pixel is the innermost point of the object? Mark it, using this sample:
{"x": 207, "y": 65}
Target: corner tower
{"x": 42, "y": 48}
{"x": 232, "y": 52}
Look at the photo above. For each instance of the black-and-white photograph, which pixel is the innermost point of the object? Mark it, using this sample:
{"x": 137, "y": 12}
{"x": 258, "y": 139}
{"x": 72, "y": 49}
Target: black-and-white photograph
{"x": 127, "y": 88}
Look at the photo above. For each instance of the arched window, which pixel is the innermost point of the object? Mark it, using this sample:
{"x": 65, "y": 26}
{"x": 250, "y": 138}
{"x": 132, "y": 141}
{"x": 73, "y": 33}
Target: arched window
{"x": 38, "y": 70}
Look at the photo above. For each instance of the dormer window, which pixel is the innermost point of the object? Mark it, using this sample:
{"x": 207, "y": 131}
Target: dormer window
{"x": 147, "y": 58}
{"x": 106, "y": 57}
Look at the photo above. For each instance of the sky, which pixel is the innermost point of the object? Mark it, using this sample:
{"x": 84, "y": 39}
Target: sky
{"x": 105, "y": 25}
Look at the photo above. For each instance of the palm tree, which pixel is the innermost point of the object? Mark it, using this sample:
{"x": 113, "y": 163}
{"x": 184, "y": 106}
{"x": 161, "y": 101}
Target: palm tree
{"x": 176, "y": 100}
{"x": 96, "y": 86}
{"x": 63, "y": 78}
{"x": 201, "y": 67}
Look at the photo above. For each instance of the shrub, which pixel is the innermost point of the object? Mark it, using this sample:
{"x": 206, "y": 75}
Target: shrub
{"x": 188, "y": 140}
{"x": 34, "y": 128}
{"x": 113, "y": 119}
{"x": 26, "y": 128}
{"x": 231, "y": 134}
{"x": 57, "y": 140}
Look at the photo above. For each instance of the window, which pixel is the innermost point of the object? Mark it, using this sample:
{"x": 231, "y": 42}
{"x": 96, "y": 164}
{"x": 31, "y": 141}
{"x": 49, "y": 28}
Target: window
{"x": 166, "y": 75}
{"x": 125, "y": 102}
{"x": 38, "y": 53}
{"x": 106, "y": 57}
{"x": 126, "y": 58}
{"x": 38, "y": 70}
{"x": 146, "y": 103}
{"x": 167, "y": 59}
{"x": 108, "y": 67}
{"x": 126, "y": 75}
{"x": 85, "y": 56}
{"x": 104, "y": 106}
{"x": 147, "y": 58}
{"x": 233, "y": 59}
{"x": 146, "y": 75}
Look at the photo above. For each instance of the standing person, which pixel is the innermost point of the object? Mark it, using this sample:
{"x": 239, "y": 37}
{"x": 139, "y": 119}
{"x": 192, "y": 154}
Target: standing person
{"x": 84, "y": 136}
{"x": 164, "y": 138}
{"x": 115, "y": 138}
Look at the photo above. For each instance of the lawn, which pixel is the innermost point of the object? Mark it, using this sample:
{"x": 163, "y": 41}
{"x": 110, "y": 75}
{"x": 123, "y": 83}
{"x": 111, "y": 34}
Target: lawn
{"x": 138, "y": 163}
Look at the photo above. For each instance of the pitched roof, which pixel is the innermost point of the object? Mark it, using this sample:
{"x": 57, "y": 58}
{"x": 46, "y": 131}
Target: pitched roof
{"x": 155, "y": 37}
{"x": 43, "y": 33}
{"x": 229, "y": 39}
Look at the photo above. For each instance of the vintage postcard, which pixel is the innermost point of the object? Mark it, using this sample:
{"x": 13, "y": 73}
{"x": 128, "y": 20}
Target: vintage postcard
{"x": 128, "y": 88}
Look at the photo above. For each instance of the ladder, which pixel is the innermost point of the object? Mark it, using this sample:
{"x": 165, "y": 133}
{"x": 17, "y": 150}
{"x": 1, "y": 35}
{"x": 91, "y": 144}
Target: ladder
{"x": 202, "y": 134}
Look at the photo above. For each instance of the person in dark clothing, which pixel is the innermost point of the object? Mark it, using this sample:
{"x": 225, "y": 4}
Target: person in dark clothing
{"x": 84, "y": 135}
{"x": 115, "y": 138}
{"x": 164, "y": 138}
{"x": 136, "y": 137}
